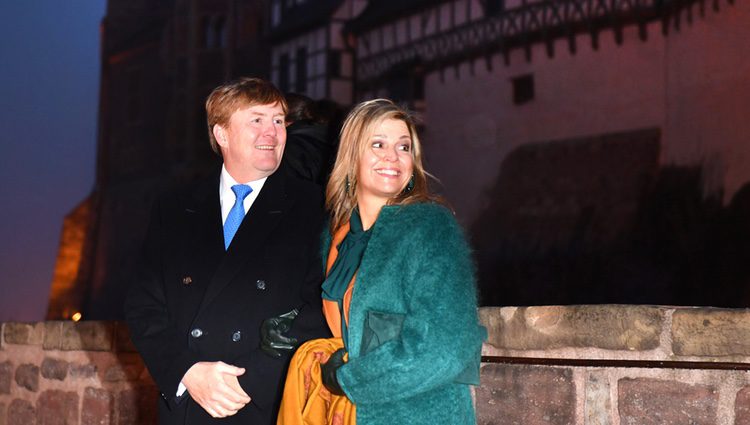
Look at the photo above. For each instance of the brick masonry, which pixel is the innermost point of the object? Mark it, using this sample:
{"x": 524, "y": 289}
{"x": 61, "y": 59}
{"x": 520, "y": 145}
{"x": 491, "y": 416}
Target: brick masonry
{"x": 57, "y": 407}
{"x": 527, "y": 395}
{"x": 651, "y": 402}
{"x": 6, "y": 371}
{"x": 71, "y": 373}
{"x": 566, "y": 365}
{"x": 98, "y": 407}
{"x": 742, "y": 407}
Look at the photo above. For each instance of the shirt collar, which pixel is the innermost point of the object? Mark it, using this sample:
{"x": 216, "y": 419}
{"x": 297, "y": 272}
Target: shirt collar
{"x": 226, "y": 181}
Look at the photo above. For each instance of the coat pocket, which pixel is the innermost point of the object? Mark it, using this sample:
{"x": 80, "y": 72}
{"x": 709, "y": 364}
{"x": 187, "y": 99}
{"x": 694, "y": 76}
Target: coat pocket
{"x": 380, "y": 327}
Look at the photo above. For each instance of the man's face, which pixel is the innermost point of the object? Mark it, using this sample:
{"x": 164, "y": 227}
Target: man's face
{"x": 253, "y": 142}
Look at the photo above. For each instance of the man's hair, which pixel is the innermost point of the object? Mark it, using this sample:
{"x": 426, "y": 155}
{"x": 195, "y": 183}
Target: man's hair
{"x": 228, "y": 98}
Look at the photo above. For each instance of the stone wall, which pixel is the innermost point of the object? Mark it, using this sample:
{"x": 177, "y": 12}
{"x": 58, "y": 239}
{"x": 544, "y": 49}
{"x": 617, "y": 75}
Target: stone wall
{"x": 566, "y": 365}
{"x": 73, "y": 373}
{"x": 615, "y": 365}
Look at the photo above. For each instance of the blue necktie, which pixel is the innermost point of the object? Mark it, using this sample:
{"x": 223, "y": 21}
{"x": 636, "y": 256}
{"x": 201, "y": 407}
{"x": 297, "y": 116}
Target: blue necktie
{"x": 236, "y": 214}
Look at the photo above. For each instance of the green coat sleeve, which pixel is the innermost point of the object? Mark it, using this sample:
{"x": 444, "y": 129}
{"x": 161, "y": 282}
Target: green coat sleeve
{"x": 440, "y": 336}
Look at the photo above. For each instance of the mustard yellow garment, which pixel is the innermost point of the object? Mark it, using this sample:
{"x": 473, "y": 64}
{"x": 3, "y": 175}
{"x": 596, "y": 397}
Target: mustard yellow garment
{"x": 306, "y": 401}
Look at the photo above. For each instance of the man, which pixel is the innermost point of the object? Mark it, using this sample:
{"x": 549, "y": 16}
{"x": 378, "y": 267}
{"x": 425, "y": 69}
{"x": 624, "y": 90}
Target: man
{"x": 221, "y": 258}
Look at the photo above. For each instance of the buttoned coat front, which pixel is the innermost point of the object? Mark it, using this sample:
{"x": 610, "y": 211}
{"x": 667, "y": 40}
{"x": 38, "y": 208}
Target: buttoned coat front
{"x": 193, "y": 301}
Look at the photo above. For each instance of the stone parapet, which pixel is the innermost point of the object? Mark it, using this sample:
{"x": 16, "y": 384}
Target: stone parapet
{"x": 615, "y": 365}
{"x": 566, "y": 365}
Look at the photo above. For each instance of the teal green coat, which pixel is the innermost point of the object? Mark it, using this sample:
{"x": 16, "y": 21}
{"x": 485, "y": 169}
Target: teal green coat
{"x": 413, "y": 328}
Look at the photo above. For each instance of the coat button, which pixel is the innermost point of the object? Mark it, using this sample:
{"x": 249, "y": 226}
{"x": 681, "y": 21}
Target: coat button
{"x": 236, "y": 336}
{"x": 261, "y": 284}
{"x": 187, "y": 280}
{"x": 196, "y": 333}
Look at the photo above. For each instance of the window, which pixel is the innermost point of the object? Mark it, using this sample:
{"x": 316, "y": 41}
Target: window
{"x": 334, "y": 63}
{"x": 284, "y": 73}
{"x": 523, "y": 89}
{"x": 204, "y": 35}
{"x": 214, "y": 34}
{"x": 301, "y": 67}
{"x": 418, "y": 86}
{"x": 220, "y": 33}
{"x": 493, "y": 7}
{"x": 276, "y": 13}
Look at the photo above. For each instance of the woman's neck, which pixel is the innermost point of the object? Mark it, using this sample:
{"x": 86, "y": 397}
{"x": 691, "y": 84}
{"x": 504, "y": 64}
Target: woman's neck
{"x": 368, "y": 211}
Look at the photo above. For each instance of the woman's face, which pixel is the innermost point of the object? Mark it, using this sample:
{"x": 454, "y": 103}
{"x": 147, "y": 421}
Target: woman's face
{"x": 386, "y": 164}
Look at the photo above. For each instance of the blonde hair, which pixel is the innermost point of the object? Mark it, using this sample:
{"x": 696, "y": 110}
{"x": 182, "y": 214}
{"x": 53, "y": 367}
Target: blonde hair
{"x": 360, "y": 124}
{"x": 226, "y": 99}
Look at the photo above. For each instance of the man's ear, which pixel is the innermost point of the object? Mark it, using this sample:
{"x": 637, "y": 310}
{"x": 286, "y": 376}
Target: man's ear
{"x": 220, "y": 134}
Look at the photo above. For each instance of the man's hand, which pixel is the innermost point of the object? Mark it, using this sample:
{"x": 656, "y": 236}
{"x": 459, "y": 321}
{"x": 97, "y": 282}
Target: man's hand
{"x": 214, "y": 386}
{"x": 272, "y": 338}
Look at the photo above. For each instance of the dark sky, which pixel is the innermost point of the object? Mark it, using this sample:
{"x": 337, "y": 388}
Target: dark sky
{"x": 49, "y": 85}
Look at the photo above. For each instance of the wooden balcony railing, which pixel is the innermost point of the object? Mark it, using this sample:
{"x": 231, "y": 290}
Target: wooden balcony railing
{"x": 540, "y": 22}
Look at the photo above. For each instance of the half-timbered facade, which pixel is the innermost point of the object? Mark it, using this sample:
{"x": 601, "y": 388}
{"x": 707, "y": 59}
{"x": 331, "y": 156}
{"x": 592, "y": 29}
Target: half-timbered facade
{"x": 308, "y": 53}
{"x": 491, "y": 76}
{"x": 563, "y": 130}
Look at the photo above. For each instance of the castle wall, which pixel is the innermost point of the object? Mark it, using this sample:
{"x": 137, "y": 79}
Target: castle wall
{"x": 691, "y": 84}
{"x": 571, "y": 365}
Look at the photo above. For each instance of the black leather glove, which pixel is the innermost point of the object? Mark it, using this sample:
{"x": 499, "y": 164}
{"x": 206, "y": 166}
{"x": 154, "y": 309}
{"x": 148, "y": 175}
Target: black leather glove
{"x": 328, "y": 372}
{"x": 272, "y": 338}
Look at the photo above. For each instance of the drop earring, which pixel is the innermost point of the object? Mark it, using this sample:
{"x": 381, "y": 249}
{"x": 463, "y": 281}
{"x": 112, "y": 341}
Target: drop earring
{"x": 410, "y": 185}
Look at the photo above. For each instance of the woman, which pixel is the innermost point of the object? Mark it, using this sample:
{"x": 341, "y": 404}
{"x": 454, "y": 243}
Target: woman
{"x": 399, "y": 291}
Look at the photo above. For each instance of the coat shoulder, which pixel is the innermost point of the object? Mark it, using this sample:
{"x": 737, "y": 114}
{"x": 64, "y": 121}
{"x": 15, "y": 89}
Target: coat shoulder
{"x": 419, "y": 218}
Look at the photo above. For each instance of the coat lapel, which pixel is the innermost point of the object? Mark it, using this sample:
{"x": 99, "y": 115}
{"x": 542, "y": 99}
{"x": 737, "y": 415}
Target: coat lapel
{"x": 262, "y": 218}
{"x": 203, "y": 211}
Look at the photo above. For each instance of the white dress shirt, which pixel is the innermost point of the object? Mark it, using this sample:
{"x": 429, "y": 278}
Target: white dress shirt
{"x": 227, "y": 196}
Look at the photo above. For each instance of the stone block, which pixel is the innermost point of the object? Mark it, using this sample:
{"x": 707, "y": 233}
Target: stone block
{"x": 119, "y": 373}
{"x": 742, "y": 407}
{"x": 21, "y": 412}
{"x": 52, "y": 335}
{"x": 122, "y": 338}
{"x": 16, "y": 333}
{"x": 523, "y": 394}
{"x": 585, "y": 326}
{"x": 6, "y": 371}
{"x": 56, "y": 407}
{"x": 54, "y": 369}
{"x": 598, "y": 405}
{"x": 87, "y": 336}
{"x": 711, "y": 332}
{"x": 2, "y": 414}
{"x": 23, "y": 333}
{"x": 645, "y": 401}
{"x": 83, "y": 371}
{"x": 138, "y": 406}
{"x": 27, "y": 376}
{"x": 97, "y": 407}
